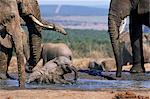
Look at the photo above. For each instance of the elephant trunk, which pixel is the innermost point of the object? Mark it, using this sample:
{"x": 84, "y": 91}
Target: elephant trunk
{"x": 49, "y": 26}
{"x": 75, "y": 72}
{"x": 113, "y": 24}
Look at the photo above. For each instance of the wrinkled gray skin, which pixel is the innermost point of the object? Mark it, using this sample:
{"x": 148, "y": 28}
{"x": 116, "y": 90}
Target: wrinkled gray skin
{"x": 138, "y": 12}
{"x": 53, "y": 50}
{"x": 6, "y": 50}
{"x": 26, "y": 9}
{"x": 10, "y": 23}
{"x": 53, "y": 71}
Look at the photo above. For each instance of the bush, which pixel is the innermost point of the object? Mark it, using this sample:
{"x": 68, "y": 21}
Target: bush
{"x": 82, "y": 42}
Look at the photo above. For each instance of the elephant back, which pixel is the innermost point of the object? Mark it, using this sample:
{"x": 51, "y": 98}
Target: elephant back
{"x": 51, "y": 51}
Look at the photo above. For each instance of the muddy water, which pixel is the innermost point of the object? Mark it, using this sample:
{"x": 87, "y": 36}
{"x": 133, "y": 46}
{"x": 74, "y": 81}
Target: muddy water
{"x": 84, "y": 84}
{"x": 87, "y": 81}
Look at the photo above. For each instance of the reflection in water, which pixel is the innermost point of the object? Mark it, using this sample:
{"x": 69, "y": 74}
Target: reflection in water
{"x": 84, "y": 84}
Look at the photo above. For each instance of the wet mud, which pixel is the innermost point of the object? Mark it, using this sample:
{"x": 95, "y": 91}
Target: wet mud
{"x": 92, "y": 80}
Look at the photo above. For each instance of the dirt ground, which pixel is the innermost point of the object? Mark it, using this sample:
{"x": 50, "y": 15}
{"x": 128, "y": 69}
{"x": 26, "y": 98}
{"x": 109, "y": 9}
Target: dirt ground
{"x": 67, "y": 94}
{"x": 73, "y": 94}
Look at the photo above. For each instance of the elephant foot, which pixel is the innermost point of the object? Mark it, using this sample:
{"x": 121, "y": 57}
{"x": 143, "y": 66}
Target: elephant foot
{"x": 137, "y": 69}
{"x": 118, "y": 74}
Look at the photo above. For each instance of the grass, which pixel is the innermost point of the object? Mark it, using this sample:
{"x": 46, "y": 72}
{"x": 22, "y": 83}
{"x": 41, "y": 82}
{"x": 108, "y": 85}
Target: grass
{"x": 84, "y": 43}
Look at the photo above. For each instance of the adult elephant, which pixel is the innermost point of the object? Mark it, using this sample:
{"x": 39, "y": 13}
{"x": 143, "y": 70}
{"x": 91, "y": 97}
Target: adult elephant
{"x": 10, "y": 22}
{"x": 138, "y": 11}
{"x": 30, "y": 13}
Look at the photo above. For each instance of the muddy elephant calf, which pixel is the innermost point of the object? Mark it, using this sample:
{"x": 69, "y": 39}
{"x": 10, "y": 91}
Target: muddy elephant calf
{"x": 53, "y": 71}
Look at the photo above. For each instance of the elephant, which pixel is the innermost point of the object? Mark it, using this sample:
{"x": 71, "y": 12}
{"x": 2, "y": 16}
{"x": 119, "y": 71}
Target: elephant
{"x": 138, "y": 12}
{"x": 127, "y": 51}
{"x": 107, "y": 64}
{"x": 10, "y": 23}
{"x": 6, "y": 50}
{"x": 53, "y": 71}
{"x": 29, "y": 11}
{"x": 53, "y": 50}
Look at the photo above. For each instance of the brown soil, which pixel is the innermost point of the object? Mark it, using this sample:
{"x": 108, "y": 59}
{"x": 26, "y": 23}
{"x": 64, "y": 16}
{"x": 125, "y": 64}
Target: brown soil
{"x": 67, "y": 94}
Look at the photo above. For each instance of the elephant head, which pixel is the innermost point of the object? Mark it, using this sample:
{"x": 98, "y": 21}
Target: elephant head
{"x": 30, "y": 13}
{"x": 66, "y": 65}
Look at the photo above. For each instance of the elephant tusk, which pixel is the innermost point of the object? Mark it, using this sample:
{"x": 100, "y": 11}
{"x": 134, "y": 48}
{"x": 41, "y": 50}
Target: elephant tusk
{"x": 39, "y": 23}
{"x": 49, "y": 27}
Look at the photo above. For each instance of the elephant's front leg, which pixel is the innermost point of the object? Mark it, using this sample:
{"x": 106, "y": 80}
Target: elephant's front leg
{"x": 14, "y": 29}
{"x": 136, "y": 43}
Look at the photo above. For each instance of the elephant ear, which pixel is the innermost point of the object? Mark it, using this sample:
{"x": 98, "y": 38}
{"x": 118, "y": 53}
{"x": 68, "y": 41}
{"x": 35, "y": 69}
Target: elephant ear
{"x": 64, "y": 63}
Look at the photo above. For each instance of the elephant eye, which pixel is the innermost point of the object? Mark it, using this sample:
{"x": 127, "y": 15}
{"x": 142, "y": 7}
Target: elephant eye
{"x": 66, "y": 64}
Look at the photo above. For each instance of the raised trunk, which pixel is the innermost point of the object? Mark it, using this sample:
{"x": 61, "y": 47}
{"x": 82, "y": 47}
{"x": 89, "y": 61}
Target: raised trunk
{"x": 75, "y": 72}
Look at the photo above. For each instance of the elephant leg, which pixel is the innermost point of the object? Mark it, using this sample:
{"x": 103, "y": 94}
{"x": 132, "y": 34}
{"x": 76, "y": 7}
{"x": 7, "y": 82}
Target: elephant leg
{"x": 34, "y": 42}
{"x": 136, "y": 43}
{"x": 3, "y": 65}
{"x": 32, "y": 7}
{"x": 9, "y": 56}
{"x": 15, "y": 30}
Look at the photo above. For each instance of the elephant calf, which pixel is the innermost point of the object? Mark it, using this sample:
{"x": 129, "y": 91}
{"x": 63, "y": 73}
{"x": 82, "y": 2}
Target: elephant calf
{"x": 53, "y": 71}
{"x": 51, "y": 51}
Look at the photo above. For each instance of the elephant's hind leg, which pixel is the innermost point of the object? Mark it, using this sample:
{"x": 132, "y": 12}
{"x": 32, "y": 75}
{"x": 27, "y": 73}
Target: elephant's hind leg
{"x": 136, "y": 43}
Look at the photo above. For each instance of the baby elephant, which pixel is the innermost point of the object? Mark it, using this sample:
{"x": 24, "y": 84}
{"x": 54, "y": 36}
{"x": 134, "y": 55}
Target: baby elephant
{"x": 51, "y": 51}
{"x": 53, "y": 71}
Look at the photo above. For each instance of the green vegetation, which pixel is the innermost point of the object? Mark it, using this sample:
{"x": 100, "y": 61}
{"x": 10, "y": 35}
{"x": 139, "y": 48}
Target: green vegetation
{"x": 84, "y": 43}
